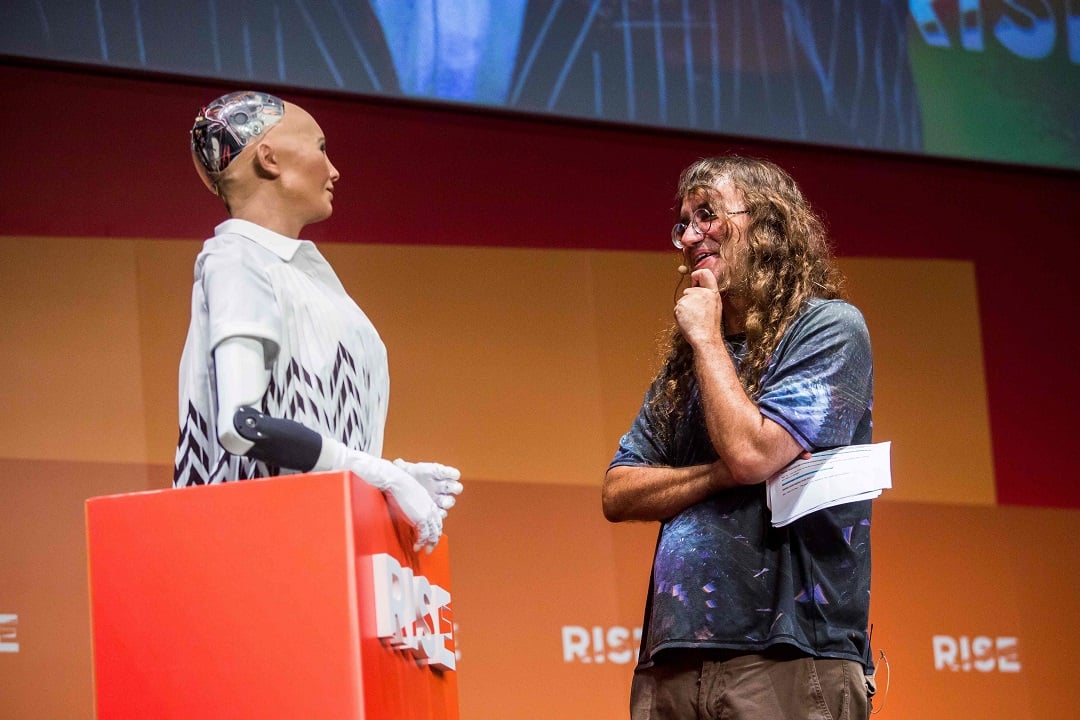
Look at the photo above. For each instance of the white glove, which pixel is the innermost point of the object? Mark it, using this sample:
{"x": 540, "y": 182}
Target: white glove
{"x": 441, "y": 481}
{"x": 399, "y": 486}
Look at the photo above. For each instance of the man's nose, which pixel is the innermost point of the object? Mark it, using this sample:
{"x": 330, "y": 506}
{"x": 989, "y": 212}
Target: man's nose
{"x": 692, "y": 236}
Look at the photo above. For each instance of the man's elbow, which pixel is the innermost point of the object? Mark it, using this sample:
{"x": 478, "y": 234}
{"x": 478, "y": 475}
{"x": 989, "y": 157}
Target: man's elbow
{"x": 749, "y": 470}
{"x": 759, "y": 455}
{"x": 611, "y": 500}
{"x": 755, "y": 468}
{"x": 612, "y": 511}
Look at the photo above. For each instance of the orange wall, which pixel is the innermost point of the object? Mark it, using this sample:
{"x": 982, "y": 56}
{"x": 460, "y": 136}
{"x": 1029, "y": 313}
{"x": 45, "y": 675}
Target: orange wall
{"x": 486, "y": 362}
{"x": 525, "y": 380}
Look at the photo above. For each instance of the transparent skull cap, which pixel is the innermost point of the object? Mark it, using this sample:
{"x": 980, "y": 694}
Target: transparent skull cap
{"x": 226, "y": 126}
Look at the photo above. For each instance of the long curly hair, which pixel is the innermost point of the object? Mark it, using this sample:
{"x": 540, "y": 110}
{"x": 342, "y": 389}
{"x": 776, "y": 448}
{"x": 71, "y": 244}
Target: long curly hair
{"x": 788, "y": 261}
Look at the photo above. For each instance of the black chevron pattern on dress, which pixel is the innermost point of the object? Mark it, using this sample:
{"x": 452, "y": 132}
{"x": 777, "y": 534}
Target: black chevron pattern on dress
{"x": 333, "y": 407}
{"x": 192, "y": 460}
{"x": 193, "y": 456}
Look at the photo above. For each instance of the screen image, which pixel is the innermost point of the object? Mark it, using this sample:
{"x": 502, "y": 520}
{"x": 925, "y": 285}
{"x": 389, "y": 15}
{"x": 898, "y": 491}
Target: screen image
{"x": 993, "y": 80}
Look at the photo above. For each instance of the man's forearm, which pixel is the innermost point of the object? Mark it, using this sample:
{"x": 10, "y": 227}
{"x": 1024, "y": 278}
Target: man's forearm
{"x": 658, "y": 493}
{"x": 752, "y": 446}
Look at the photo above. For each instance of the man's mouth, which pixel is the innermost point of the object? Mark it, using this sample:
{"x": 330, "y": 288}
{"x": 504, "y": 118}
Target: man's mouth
{"x": 701, "y": 257}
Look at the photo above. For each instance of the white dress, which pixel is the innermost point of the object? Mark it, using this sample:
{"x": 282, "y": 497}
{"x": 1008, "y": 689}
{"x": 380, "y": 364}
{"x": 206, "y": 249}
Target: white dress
{"x": 328, "y": 368}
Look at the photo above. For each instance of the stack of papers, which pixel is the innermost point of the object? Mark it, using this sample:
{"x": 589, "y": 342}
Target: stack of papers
{"x": 833, "y": 477}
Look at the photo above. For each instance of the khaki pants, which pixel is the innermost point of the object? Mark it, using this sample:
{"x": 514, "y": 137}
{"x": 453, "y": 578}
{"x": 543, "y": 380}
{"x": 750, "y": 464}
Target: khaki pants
{"x": 695, "y": 685}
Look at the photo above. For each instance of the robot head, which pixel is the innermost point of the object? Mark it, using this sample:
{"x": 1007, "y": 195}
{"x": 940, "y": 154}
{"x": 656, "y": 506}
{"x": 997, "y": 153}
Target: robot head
{"x": 226, "y": 126}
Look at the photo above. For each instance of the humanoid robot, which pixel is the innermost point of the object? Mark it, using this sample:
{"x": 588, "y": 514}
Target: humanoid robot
{"x": 281, "y": 371}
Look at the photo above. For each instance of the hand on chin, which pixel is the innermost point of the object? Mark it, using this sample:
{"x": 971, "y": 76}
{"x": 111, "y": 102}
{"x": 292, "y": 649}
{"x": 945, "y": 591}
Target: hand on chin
{"x": 714, "y": 265}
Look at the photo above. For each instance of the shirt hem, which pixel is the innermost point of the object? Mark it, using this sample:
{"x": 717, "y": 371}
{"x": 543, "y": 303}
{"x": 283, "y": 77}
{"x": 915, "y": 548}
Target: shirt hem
{"x": 751, "y": 648}
{"x": 256, "y": 331}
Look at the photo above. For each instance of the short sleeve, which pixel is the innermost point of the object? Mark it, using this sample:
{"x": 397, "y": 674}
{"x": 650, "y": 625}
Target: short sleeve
{"x": 820, "y": 385}
{"x": 642, "y": 444}
{"x": 240, "y": 300}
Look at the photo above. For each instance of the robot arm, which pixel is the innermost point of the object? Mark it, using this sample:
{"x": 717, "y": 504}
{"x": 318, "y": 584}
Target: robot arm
{"x": 242, "y": 378}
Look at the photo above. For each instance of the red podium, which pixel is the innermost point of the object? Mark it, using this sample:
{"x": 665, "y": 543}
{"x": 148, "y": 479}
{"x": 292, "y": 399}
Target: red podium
{"x": 292, "y": 597}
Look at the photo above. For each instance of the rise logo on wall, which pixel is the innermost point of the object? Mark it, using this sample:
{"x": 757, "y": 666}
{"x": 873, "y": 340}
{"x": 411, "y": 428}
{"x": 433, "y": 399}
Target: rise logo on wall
{"x": 413, "y": 614}
{"x": 980, "y": 653}
{"x": 9, "y": 633}
{"x": 615, "y": 644}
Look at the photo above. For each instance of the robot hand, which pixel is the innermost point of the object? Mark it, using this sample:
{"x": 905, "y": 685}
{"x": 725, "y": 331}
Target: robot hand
{"x": 398, "y": 486}
{"x": 441, "y": 481}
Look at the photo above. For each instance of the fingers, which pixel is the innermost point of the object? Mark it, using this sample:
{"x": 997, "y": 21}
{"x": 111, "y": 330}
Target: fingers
{"x": 441, "y": 472}
{"x": 704, "y": 278}
{"x": 413, "y": 492}
{"x": 698, "y": 312}
{"x": 434, "y": 470}
{"x": 441, "y": 479}
{"x": 426, "y": 545}
{"x": 440, "y": 482}
{"x": 445, "y": 472}
{"x": 446, "y": 493}
{"x": 449, "y": 487}
{"x": 428, "y": 534}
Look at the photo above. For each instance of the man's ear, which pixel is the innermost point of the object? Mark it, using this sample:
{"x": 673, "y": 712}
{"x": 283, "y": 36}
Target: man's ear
{"x": 266, "y": 161}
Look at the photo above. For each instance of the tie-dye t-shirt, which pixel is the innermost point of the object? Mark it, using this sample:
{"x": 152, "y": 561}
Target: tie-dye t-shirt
{"x": 722, "y": 576}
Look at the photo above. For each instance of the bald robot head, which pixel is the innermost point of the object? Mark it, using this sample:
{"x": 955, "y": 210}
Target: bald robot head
{"x": 225, "y": 127}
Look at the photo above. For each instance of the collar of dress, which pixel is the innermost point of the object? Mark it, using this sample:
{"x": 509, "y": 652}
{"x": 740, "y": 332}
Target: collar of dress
{"x": 282, "y": 246}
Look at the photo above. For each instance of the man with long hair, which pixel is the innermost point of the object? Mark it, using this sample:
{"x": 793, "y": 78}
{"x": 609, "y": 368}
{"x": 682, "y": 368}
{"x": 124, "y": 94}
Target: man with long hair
{"x": 766, "y": 363}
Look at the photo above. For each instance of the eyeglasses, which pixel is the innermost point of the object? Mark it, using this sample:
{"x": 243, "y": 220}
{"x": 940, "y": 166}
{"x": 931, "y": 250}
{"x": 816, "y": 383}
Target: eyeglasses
{"x": 701, "y": 221}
